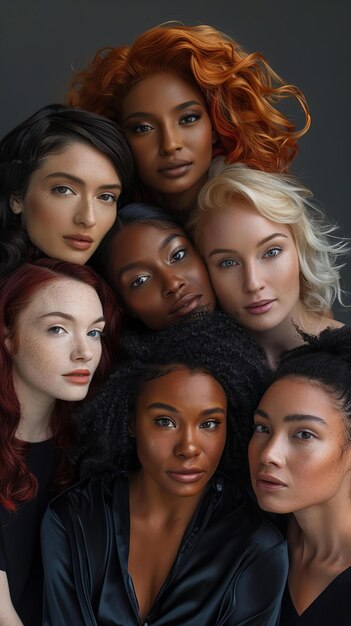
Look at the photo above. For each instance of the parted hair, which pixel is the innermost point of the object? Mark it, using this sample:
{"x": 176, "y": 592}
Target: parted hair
{"x": 208, "y": 342}
{"x": 282, "y": 199}
{"x": 22, "y": 151}
{"x": 241, "y": 90}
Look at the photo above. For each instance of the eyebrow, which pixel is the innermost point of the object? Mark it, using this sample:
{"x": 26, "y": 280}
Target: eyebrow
{"x": 294, "y": 417}
{"x": 76, "y": 179}
{"x": 66, "y": 316}
{"x": 170, "y": 408}
{"x": 164, "y": 244}
{"x": 179, "y": 107}
{"x": 260, "y": 243}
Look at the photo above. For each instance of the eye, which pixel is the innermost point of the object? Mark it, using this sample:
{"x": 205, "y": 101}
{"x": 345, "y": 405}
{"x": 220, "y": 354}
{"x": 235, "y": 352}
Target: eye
{"x": 141, "y": 128}
{"x": 95, "y": 333}
{"x": 210, "y": 424}
{"x": 261, "y": 428}
{"x": 227, "y": 263}
{"x": 140, "y": 281}
{"x": 109, "y": 198}
{"x": 272, "y": 252}
{"x": 178, "y": 255}
{"x": 305, "y": 435}
{"x": 62, "y": 190}
{"x": 56, "y": 330}
{"x": 165, "y": 422}
{"x": 189, "y": 118}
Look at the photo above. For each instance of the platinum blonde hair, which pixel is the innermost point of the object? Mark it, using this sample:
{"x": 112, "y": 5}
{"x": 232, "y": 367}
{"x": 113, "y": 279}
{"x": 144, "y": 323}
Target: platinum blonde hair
{"x": 282, "y": 199}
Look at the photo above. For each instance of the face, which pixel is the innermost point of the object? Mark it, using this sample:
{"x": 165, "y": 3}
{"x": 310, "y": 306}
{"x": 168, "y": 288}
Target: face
{"x": 253, "y": 265}
{"x": 180, "y": 430}
{"x": 56, "y": 347}
{"x": 158, "y": 274}
{"x": 170, "y": 134}
{"x": 299, "y": 454}
{"x": 70, "y": 203}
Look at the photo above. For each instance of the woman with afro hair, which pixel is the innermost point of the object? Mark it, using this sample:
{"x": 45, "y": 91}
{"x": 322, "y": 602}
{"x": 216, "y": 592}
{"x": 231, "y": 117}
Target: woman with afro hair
{"x": 159, "y": 531}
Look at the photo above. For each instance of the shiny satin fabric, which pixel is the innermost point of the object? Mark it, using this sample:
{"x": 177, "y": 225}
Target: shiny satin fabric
{"x": 230, "y": 569}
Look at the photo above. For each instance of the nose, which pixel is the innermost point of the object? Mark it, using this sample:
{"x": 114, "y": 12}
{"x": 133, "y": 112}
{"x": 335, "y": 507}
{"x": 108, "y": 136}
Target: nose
{"x": 170, "y": 140}
{"x": 272, "y": 453}
{"x": 171, "y": 283}
{"x": 253, "y": 278}
{"x": 187, "y": 446}
{"x": 81, "y": 350}
{"x": 85, "y": 214}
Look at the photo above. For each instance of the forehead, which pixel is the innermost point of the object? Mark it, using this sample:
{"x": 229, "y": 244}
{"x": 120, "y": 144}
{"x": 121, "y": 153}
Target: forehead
{"x": 65, "y": 295}
{"x": 184, "y": 387}
{"x": 159, "y": 90}
{"x": 77, "y": 157}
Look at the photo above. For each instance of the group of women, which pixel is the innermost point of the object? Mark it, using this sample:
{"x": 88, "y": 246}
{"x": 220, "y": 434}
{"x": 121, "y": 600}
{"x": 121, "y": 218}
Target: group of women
{"x": 168, "y": 291}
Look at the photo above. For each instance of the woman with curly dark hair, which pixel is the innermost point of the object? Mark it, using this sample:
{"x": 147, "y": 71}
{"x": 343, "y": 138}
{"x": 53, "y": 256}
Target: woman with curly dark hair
{"x": 185, "y": 94}
{"x": 164, "y": 536}
{"x": 300, "y": 460}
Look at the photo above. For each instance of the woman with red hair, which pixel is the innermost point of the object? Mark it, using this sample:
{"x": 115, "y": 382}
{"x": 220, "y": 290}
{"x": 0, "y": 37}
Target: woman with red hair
{"x": 185, "y": 94}
{"x": 52, "y": 317}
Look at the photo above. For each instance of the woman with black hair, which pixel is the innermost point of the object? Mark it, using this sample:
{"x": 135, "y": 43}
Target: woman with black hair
{"x": 163, "y": 537}
{"x": 300, "y": 461}
{"x": 63, "y": 172}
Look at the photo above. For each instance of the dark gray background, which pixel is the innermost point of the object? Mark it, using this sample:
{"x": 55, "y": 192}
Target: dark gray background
{"x": 306, "y": 41}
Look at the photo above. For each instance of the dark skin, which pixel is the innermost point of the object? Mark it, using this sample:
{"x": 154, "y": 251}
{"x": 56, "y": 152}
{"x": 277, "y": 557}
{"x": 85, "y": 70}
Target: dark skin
{"x": 180, "y": 430}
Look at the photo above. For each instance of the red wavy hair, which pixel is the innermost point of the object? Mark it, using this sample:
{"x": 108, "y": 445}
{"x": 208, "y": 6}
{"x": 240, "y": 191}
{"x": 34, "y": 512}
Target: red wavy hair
{"x": 241, "y": 90}
{"x": 17, "y": 290}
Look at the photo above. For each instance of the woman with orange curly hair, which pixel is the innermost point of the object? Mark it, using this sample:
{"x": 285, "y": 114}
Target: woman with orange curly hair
{"x": 185, "y": 94}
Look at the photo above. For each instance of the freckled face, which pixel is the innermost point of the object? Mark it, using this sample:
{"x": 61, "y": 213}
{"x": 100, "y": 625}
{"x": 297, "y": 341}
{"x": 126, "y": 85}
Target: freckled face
{"x": 57, "y": 344}
{"x": 180, "y": 430}
{"x": 299, "y": 453}
{"x": 158, "y": 274}
{"x": 253, "y": 266}
{"x": 70, "y": 203}
{"x": 170, "y": 134}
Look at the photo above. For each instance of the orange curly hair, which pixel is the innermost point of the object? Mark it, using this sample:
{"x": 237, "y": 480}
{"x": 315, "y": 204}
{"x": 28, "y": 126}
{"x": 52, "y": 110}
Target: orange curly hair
{"x": 241, "y": 90}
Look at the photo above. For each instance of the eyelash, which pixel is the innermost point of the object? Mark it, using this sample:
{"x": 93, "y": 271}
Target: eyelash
{"x": 58, "y": 187}
{"x": 277, "y": 249}
{"x": 52, "y": 330}
{"x": 214, "y": 423}
{"x": 174, "y": 254}
{"x": 188, "y": 118}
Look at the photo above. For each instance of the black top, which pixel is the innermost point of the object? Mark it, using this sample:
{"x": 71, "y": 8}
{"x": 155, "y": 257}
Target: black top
{"x": 332, "y": 606}
{"x": 20, "y": 538}
{"x": 230, "y": 569}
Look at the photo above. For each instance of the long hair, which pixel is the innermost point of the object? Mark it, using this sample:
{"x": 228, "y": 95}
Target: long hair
{"x": 241, "y": 90}
{"x": 17, "y": 484}
{"x": 282, "y": 199}
{"x": 22, "y": 152}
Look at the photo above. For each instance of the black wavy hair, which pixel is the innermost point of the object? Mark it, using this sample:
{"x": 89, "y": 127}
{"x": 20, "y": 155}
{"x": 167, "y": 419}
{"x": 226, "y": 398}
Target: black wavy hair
{"x": 208, "y": 342}
{"x": 324, "y": 360}
{"x": 22, "y": 151}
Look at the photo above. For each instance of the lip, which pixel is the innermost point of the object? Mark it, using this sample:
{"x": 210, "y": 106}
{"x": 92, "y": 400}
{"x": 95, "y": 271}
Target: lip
{"x": 192, "y": 475}
{"x": 175, "y": 169}
{"x": 78, "y": 377}
{"x": 269, "y": 483}
{"x": 260, "y": 307}
{"x": 186, "y": 304}
{"x": 79, "y": 242}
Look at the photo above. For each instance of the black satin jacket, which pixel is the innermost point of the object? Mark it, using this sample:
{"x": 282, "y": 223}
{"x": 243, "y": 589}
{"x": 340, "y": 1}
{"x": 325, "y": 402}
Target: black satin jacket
{"x": 230, "y": 569}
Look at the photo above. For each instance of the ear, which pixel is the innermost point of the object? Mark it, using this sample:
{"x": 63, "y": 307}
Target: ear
{"x": 8, "y": 342}
{"x": 16, "y": 204}
{"x": 214, "y": 136}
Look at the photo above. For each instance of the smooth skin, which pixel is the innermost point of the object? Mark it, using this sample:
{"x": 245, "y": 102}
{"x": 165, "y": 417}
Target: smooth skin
{"x": 70, "y": 203}
{"x": 171, "y": 137}
{"x": 158, "y": 274}
{"x": 180, "y": 432}
{"x": 255, "y": 273}
{"x": 300, "y": 463}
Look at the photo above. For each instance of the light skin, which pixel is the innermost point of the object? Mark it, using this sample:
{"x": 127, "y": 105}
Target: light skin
{"x": 171, "y": 137}
{"x": 300, "y": 463}
{"x": 180, "y": 431}
{"x": 8, "y": 615}
{"x": 254, "y": 269}
{"x": 158, "y": 274}
{"x": 70, "y": 203}
{"x": 55, "y": 351}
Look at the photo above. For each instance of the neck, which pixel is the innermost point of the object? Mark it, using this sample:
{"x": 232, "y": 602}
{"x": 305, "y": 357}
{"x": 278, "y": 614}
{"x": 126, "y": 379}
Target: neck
{"x": 148, "y": 501}
{"x": 36, "y": 410}
{"x": 180, "y": 204}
